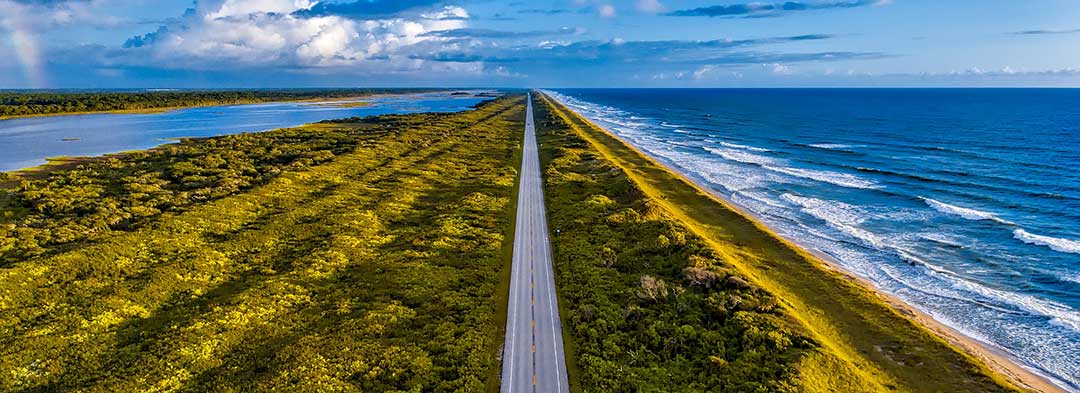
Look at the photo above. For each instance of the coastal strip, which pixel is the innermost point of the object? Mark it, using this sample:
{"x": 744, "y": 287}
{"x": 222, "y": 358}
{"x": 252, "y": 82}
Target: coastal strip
{"x": 869, "y": 329}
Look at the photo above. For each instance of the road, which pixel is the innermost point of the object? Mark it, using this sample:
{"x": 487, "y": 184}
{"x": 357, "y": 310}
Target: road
{"x": 533, "y": 359}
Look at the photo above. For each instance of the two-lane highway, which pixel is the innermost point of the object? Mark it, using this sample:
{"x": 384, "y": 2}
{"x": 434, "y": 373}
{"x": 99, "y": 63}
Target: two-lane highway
{"x": 533, "y": 359}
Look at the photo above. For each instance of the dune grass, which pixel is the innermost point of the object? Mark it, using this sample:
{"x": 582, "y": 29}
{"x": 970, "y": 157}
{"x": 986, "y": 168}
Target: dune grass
{"x": 352, "y": 255}
{"x": 858, "y": 342}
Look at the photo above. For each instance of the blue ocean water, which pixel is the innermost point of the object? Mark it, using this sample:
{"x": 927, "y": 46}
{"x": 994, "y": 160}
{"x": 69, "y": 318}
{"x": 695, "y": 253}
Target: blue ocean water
{"x": 962, "y": 202}
{"x": 27, "y": 142}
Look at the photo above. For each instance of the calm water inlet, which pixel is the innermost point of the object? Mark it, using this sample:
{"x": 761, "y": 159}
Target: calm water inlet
{"x": 27, "y": 142}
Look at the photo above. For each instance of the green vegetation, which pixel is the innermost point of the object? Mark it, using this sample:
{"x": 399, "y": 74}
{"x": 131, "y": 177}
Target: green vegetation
{"x": 358, "y": 255}
{"x": 665, "y": 288}
{"x": 44, "y": 103}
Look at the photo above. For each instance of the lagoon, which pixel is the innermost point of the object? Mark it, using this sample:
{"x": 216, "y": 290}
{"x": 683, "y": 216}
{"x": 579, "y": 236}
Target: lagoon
{"x": 28, "y": 142}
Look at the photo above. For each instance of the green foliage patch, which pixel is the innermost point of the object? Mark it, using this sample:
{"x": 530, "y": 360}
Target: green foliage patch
{"x": 361, "y": 255}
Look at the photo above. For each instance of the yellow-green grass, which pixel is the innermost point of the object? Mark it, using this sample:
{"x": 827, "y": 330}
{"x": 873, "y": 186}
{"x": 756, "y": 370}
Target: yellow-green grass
{"x": 865, "y": 344}
{"x": 375, "y": 269}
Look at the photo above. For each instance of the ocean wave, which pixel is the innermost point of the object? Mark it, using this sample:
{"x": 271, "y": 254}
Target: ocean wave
{"x": 943, "y": 240}
{"x": 996, "y": 299}
{"x": 841, "y": 216}
{"x": 729, "y": 176}
{"x": 1068, "y": 276}
{"x": 1055, "y": 312}
{"x": 742, "y": 156}
{"x": 761, "y": 197}
{"x": 1056, "y": 244}
{"x": 744, "y": 147}
{"x": 968, "y": 213}
{"x": 837, "y": 178}
{"x": 830, "y": 146}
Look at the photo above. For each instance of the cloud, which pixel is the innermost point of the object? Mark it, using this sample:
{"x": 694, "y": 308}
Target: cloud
{"x": 650, "y": 6}
{"x": 299, "y": 35}
{"x": 501, "y": 34}
{"x": 1046, "y": 32}
{"x": 45, "y": 14}
{"x": 606, "y": 11}
{"x": 1002, "y": 72}
{"x": 555, "y": 11}
{"x": 779, "y": 69}
{"x": 365, "y": 8}
{"x": 771, "y": 9}
{"x": 645, "y": 54}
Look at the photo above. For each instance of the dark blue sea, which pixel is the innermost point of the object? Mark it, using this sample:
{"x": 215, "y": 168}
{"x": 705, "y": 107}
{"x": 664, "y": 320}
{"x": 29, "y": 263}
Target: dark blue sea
{"x": 964, "y": 203}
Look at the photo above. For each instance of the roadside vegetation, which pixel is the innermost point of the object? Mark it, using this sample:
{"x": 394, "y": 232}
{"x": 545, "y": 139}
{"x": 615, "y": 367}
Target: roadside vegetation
{"x": 354, "y": 255}
{"x": 665, "y": 288}
{"x": 47, "y": 103}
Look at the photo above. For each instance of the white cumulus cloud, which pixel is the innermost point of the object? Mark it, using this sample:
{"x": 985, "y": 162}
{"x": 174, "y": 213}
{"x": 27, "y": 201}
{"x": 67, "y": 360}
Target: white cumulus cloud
{"x": 272, "y": 33}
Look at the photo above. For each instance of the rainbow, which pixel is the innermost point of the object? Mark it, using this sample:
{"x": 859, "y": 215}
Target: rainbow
{"x": 27, "y": 51}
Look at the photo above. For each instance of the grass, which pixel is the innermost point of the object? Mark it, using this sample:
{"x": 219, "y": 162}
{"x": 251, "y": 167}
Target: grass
{"x": 863, "y": 344}
{"x": 375, "y": 267}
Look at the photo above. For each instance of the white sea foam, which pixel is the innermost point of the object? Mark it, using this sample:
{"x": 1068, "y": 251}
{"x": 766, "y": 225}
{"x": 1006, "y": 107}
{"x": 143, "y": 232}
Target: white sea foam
{"x": 942, "y": 239}
{"x": 1056, "y": 244}
{"x": 730, "y": 176}
{"x": 744, "y": 147}
{"x": 837, "y": 178}
{"x": 841, "y": 216}
{"x": 970, "y": 214}
{"x": 763, "y": 198}
{"x": 831, "y": 146}
{"x": 1069, "y": 276}
{"x": 742, "y": 156}
{"x": 1058, "y": 313}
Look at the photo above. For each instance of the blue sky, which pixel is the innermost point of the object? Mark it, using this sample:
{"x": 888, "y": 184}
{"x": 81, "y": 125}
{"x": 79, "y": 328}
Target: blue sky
{"x": 557, "y": 43}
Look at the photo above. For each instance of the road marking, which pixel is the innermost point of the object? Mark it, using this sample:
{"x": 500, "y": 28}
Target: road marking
{"x": 532, "y": 247}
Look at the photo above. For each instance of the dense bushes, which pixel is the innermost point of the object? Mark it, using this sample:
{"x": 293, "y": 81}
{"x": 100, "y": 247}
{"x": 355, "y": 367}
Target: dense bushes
{"x": 344, "y": 257}
{"x": 650, "y": 306}
{"x": 120, "y": 191}
{"x": 40, "y": 103}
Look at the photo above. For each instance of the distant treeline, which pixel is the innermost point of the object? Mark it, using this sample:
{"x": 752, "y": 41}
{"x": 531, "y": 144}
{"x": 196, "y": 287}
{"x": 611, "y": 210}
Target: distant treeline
{"x": 43, "y": 103}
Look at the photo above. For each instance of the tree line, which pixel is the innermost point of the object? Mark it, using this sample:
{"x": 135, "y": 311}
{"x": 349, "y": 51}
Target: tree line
{"x": 42, "y": 103}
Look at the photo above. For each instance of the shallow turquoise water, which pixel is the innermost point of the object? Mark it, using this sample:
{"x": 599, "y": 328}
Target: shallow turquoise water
{"x": 27, "y": 142}
{"x": 963, "y": 202}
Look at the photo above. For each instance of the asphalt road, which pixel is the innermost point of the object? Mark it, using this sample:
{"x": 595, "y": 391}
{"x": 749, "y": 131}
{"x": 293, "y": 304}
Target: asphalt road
{"x": 533, "y": 359}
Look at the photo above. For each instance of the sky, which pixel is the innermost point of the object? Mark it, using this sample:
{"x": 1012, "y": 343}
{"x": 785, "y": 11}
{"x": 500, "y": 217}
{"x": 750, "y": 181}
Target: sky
{"x": 546, "y": 43}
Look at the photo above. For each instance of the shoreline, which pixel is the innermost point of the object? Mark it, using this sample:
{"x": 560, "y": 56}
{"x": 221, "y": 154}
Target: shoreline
{"x": 53, "y": 163}
{"x": 165, "y": 109}
{"x": 1010, "y": 367}
{"x": 338, "y": 102}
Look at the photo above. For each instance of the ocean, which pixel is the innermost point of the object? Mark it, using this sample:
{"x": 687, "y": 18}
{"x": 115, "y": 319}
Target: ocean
{"x": 964, "y": 203}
